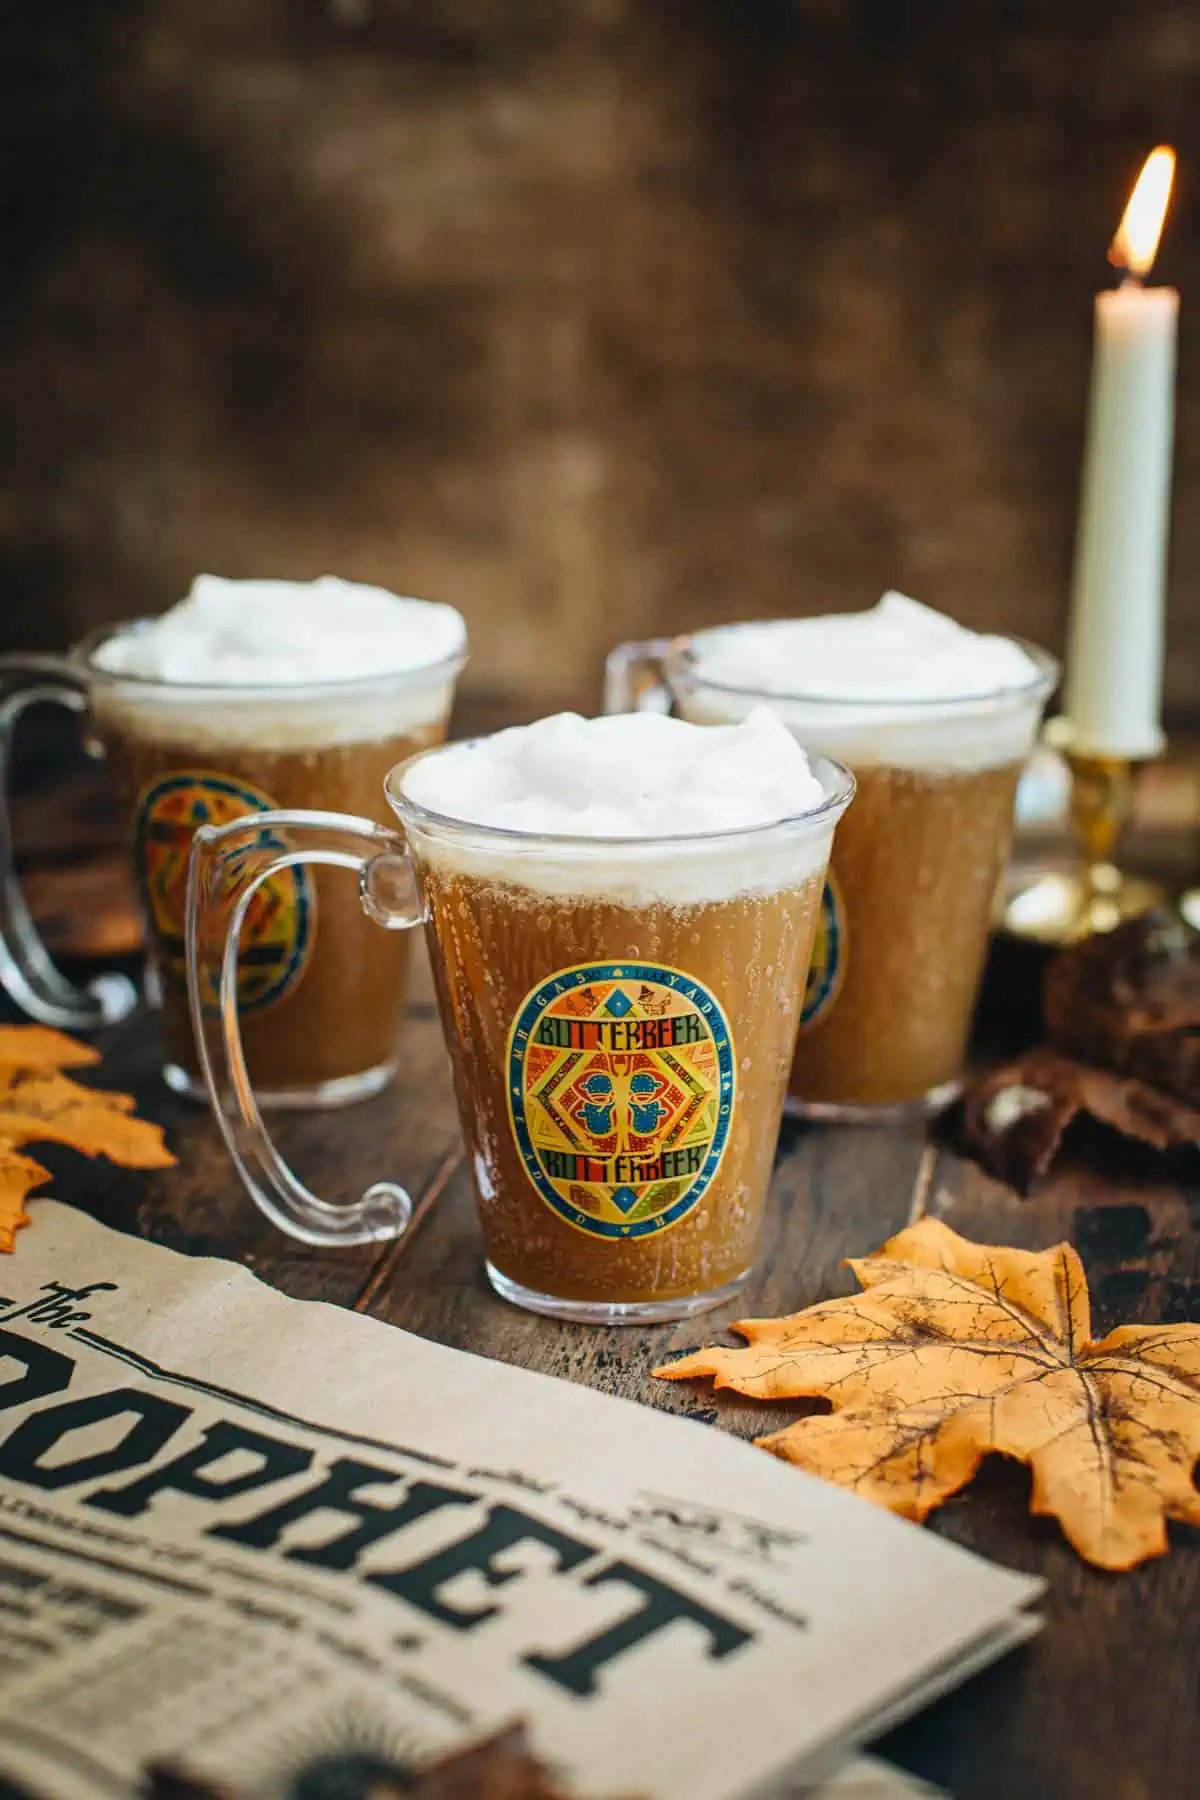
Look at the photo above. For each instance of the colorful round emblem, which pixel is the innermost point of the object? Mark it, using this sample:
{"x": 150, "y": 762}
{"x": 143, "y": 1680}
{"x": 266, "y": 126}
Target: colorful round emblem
{"x": 277, "y": 937}
{"x": 828, "y": 967}
{"x": 621, "y": 1089}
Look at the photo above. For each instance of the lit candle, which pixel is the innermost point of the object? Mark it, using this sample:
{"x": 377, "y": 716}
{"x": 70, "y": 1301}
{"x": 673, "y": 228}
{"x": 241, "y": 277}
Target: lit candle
{"x": 1115, "y": 647}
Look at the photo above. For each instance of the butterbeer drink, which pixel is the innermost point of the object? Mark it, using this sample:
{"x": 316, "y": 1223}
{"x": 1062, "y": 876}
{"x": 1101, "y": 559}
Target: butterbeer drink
{"x": 935, "y": 722}
{"x": 620, "y": 915}
{"x": 245, "y": 698}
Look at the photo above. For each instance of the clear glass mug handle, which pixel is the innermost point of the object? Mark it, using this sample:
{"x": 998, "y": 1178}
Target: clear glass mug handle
{"x": 229, "y": 864}
{"x": 633, "y": 677}
{"x": 27, "y": 974}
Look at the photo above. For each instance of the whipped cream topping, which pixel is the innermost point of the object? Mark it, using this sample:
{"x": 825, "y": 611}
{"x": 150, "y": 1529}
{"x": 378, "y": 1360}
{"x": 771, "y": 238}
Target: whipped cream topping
{"x": 899, "y": 685}
{"x": 283, "y": 634}
{"x": 636, "y": 777}
{"x": 898, "y": 651}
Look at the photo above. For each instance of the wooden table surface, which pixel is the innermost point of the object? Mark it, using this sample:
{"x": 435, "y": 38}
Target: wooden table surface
{"x": 1103, "y": 1703}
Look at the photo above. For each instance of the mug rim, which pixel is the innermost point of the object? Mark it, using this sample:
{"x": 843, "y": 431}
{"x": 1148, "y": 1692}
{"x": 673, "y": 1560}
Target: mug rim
{"x": 82, "y": 654}
{"x": 837, "y": 791}
{"x": 683, "y": 653}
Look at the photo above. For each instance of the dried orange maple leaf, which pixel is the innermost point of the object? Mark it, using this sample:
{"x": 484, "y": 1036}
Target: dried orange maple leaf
{"x": 39, "y": 1104}
{"x": 39, "y": 1047}
{"x": 957, "y": 1349}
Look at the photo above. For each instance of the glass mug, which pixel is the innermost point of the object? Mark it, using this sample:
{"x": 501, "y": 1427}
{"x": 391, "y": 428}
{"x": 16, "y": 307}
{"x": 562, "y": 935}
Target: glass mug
{"x": 907, "y": 907}
{"x": 322, "y": 1006}
{"x": 620, "y": 1015}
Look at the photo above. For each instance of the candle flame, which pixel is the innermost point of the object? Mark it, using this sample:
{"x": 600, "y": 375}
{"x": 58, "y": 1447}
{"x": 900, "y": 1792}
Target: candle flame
{"x": 1136, "y": 243}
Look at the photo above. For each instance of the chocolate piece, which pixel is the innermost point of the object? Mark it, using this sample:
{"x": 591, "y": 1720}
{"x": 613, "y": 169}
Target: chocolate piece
{"x": 1129, "y": 1000}
{"x": 1014, "y": 1120}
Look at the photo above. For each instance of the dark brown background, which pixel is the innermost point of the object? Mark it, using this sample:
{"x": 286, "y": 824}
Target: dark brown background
{"x": 595, "y": 317}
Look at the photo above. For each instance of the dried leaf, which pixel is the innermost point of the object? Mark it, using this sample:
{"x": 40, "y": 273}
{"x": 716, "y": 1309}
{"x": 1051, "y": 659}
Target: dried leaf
{"x": 502, "y": 1767}
{"x": 1014, "y": 1119}
{"x": 41, "y": 1105}
{"x": 38, "y": 1047}
{"x": 168, "y": 1779}
{"x": 19, "y": 1175}
{"x": 954, "y": 1350}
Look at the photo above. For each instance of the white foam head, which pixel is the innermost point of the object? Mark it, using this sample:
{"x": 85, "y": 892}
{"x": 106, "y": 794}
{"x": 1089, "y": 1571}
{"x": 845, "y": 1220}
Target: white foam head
{"x": 284, "y": 633}
{"x": 255, "y": 644}
{"x": 631, "y": 804}
{"x": 900, "y": 685}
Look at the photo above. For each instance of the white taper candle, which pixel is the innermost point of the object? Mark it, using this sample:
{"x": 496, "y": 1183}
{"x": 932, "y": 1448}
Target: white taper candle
{"x": 1115, "y": 648}
{"x": 1113, "y": 693}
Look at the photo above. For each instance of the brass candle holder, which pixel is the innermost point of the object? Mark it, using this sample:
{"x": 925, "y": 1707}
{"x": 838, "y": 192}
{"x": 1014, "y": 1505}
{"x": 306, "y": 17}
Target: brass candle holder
{"x": 1059, "y": 906}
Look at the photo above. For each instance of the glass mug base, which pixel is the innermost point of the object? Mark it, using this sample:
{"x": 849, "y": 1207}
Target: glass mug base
{"x": 883, "y": 1112}
{"x": 614, "y": 1312}
{"x": 324, "y": 1096}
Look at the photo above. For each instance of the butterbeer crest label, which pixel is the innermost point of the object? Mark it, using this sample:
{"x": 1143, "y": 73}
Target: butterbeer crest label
{"x": 277, "y": 937}
{"x": 621, "y": 1089}
{"x": 828, "y": 967}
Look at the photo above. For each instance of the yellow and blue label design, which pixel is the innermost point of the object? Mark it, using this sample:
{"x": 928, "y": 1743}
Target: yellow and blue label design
{"x": 622, "y": 1081}
{"x": 827, "y": 970}
{"x": 277, "y": 937}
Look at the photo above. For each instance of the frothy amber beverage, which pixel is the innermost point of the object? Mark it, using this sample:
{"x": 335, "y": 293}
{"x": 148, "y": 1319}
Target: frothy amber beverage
{"x": 911, "y": 886}
{"x": 935, "y": 723}
{"x": 320, "y": 994}
{"x": 250, "y": 698}
{"x": 620, "y": 914}
{"x": 604, "y": 1056}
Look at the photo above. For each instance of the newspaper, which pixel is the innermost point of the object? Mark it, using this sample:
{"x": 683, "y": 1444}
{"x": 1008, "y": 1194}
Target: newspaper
{"x": 247, "y": 1533}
